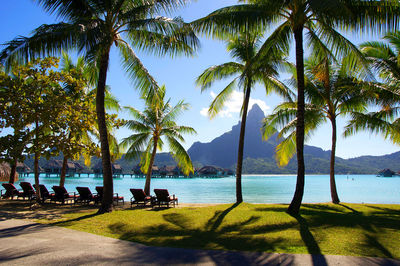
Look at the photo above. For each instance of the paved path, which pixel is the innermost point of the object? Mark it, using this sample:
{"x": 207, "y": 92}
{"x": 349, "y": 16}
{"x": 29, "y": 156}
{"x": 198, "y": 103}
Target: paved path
{"x": 28, "y": 243}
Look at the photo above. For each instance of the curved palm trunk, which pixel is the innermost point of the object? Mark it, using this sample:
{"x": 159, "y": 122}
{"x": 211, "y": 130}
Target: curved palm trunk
{"x": 334, "y": 195}
{"x": 63, "y": 171}
{"x": 108, "y": 190}
{"x": 239, "y": 196}
{"x": 13, "y": 171}
{"x": 149, "y": 170}
{"x": 294, "y": 206}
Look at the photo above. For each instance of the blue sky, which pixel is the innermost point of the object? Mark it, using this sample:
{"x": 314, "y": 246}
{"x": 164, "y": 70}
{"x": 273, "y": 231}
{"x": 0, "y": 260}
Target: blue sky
{"x": 178, "y": 74}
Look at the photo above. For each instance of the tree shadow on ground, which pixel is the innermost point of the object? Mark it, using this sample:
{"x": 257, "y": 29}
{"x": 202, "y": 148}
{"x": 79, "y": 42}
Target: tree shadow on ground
{"x": 372, "y": 241}
{"x": 348, "y": 207}
{"x": 309, "y": 241}
{"x": 18, "y": 209}
{"x": 179, "y": 232}
{"x": 383, "y": 210}
{"x": 218, "y": 217}
{"x": 337, "y": 216}
{"x": 70, "y": 221}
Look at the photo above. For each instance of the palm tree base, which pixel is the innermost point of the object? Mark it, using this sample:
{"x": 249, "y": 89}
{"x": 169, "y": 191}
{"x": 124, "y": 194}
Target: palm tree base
{"x": 105, "y": 209}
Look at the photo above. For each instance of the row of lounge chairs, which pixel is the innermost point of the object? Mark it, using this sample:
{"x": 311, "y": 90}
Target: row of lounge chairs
{"x": 59, "y": 194}
{"x": 85, "y": 196}
{"x": 162, "y": 198}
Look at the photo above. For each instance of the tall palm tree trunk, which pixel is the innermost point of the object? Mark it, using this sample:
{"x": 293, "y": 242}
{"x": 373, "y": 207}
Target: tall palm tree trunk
{"x": 334, "y": 195}
{"x": 13, "y": 171}
{"x": 63, "y": 171}
{"x": 239, "y": 196}
{"x": 149, "y": 170}
{"x": 294, "y": 206}
{"x": 36, "y": 166}
{"x": 36, "y": 170}
{"x": 108, "y": 190}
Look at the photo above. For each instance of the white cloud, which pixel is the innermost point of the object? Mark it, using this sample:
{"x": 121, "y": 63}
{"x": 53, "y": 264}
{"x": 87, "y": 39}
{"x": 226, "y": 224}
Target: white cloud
{"x": 234, "y": 104}
{"x": 204, "y": 112}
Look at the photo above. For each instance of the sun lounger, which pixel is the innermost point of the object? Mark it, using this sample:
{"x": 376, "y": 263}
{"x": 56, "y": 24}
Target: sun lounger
{"x": 62, "y": 195}
{"x": 116, "y": 198}
{"x": 139, "y": 197}
{"x": 11, "y": 191}
{"x": 28, "y": 191}
{"x": 44, "y": 193}
{"x": 163, "y": 198}
{"x": 86, "y": 196}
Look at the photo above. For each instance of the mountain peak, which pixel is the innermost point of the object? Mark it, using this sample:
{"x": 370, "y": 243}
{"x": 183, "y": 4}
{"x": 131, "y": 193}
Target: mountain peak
{"x": 255, "y": 114}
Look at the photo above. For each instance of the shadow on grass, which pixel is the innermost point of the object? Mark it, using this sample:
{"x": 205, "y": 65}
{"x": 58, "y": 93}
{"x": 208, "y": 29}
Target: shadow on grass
{"x": 309, "y": 241}
{"x": 348, "y": 207}
{"x": 218, "y": 217}
{"x": 18, "y": 209}
{"x": 80, "y": 218}
{"x": 371, "y": 241}
{"x": 214, "y": 234}
{"x": 384, "y": 210}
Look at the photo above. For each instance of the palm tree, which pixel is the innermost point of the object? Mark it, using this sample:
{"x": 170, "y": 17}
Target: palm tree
{"x": 155, "y": 123}
{"x": 320, "y": 19}
{"x": 385, "y": 60}
{"x": 254, "y": 64}
{"x": 92, "y": 28}
{"x": 331, "y": 92}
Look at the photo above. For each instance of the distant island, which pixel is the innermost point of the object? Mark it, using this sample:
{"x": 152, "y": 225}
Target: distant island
{"x": 259, "y": 155}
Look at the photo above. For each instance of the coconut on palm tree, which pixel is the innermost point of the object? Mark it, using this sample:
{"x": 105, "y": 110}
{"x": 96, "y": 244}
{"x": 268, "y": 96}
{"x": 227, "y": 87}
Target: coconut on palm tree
{"x": 254, "y": 64}
{"x": 92, "y": 28}
{"x": 331, "y": 92}
{"x": 153, "y": 127}
{"x": 319, "y": 22}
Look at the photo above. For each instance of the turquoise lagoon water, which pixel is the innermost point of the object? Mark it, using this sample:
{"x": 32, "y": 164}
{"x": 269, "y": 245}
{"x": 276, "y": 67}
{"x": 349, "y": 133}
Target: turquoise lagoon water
{"x": 256, "y": 188}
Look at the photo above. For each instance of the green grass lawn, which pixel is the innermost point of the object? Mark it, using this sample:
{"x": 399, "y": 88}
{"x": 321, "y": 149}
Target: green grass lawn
{"x": 346, "y": 229}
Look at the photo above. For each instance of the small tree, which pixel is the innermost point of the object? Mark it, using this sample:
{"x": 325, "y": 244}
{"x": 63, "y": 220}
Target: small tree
{"x": 45, "y": 106}
{"x": 12, "y": 100}
{"x": 155, "y": 123}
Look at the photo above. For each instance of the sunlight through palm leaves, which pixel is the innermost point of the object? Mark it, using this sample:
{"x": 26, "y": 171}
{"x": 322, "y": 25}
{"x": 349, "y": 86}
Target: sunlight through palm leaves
{"x": 256, "y": 63}
{"x": 92, "y": 28}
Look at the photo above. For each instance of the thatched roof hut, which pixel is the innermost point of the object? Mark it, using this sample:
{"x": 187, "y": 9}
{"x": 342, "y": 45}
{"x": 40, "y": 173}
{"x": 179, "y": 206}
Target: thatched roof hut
{"x": 55, "y": 166}
{"x": 79, "y": 168}
{"x": 386, "y": 173}
{"x": 116, "y": 168}
{"x": 167, "y": 170}
{"x": 23, "y": 168}
{"x": 137, "y": 171}
{"x": 5, "y": 171}
{"x": 208, "y": 170}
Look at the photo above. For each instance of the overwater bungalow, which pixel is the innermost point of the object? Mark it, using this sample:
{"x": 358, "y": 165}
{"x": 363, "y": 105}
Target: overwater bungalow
{"x": 155, "y": 171}
{"x": 116, "y": 169}
{"x": 137, "y": 171}
{"x": 386, "y": 173}
{"x": 213, "y": 171}
{"x": 167, "y": 171}
{"x": 177, "y": 171}
{"x": 23, "y": 169}
{"x": 53, "y": 167}
{"x": 208, "y": 171}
